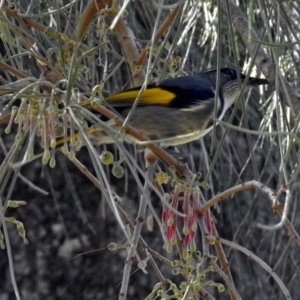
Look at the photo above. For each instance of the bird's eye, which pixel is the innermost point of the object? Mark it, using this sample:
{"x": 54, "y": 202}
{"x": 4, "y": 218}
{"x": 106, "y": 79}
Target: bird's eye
{"x": 230, "y": 73}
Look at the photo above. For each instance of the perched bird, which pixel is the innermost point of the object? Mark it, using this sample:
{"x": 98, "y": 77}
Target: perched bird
{"x": 177, "y": 110}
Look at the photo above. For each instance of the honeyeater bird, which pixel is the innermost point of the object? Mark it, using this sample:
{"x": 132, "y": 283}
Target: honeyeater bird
{"x": 177, "y": 110}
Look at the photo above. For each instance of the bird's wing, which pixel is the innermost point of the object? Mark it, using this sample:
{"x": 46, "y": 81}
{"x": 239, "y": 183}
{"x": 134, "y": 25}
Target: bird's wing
{"x": 191, "y": 91}
{"x": 152, "y": 95}
{"x": 180, "y": 92}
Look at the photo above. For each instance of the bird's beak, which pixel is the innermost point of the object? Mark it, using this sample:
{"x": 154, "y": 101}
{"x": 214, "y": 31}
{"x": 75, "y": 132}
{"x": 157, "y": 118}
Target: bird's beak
{"x": 257, "y": 81}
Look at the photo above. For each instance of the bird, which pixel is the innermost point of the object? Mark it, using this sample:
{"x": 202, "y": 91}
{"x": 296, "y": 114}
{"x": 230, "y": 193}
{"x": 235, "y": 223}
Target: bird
{"x": 176, "y": 110}
{"x": 172, "y": 112}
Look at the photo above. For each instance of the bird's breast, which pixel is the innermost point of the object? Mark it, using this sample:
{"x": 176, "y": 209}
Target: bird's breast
{"x": 170, "y": 126}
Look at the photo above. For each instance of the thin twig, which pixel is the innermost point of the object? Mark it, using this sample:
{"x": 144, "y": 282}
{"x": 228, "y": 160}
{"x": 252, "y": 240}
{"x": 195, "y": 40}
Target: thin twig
{"x": 145, "y": 246}
{"x": 263, "y": 61}
{"x": 124, "y": 33}
{"x": 159, "y": 33}
{"x": 150, "y": 170}
{"x": 289, "y": 226}
{"x": 251, "y": 255}
{"x": 224, "y": 264}
{"x": 233, "y": 292}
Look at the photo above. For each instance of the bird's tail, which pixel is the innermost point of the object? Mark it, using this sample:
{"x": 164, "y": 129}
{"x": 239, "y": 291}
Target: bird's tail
{"x": 104, "y": 133}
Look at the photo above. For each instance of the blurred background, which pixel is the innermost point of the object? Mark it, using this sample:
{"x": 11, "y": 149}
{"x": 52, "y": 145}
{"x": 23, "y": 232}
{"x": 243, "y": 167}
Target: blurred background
{"x": 75, "y": 218}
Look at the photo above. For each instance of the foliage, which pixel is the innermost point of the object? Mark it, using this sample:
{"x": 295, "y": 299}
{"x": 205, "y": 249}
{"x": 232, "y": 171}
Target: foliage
{"x": 58, "y": 63}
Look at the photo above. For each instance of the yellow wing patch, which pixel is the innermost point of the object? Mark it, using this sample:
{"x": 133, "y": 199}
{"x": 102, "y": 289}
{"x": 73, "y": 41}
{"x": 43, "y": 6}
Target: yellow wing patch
{"x": 151, "y": 96}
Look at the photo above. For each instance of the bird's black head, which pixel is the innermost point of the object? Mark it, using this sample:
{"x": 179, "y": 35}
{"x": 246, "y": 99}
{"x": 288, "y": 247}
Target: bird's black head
{"x": 229, "y": 83}
{"x": 230, "y": 75}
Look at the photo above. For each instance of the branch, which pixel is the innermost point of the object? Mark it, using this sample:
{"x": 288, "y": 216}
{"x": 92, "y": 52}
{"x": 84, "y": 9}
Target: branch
{"x": 124, "y": 33}
{"x": 241, "y": 187}
{"x": 160, "y": 32}
{"x": 159, "y": 152}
